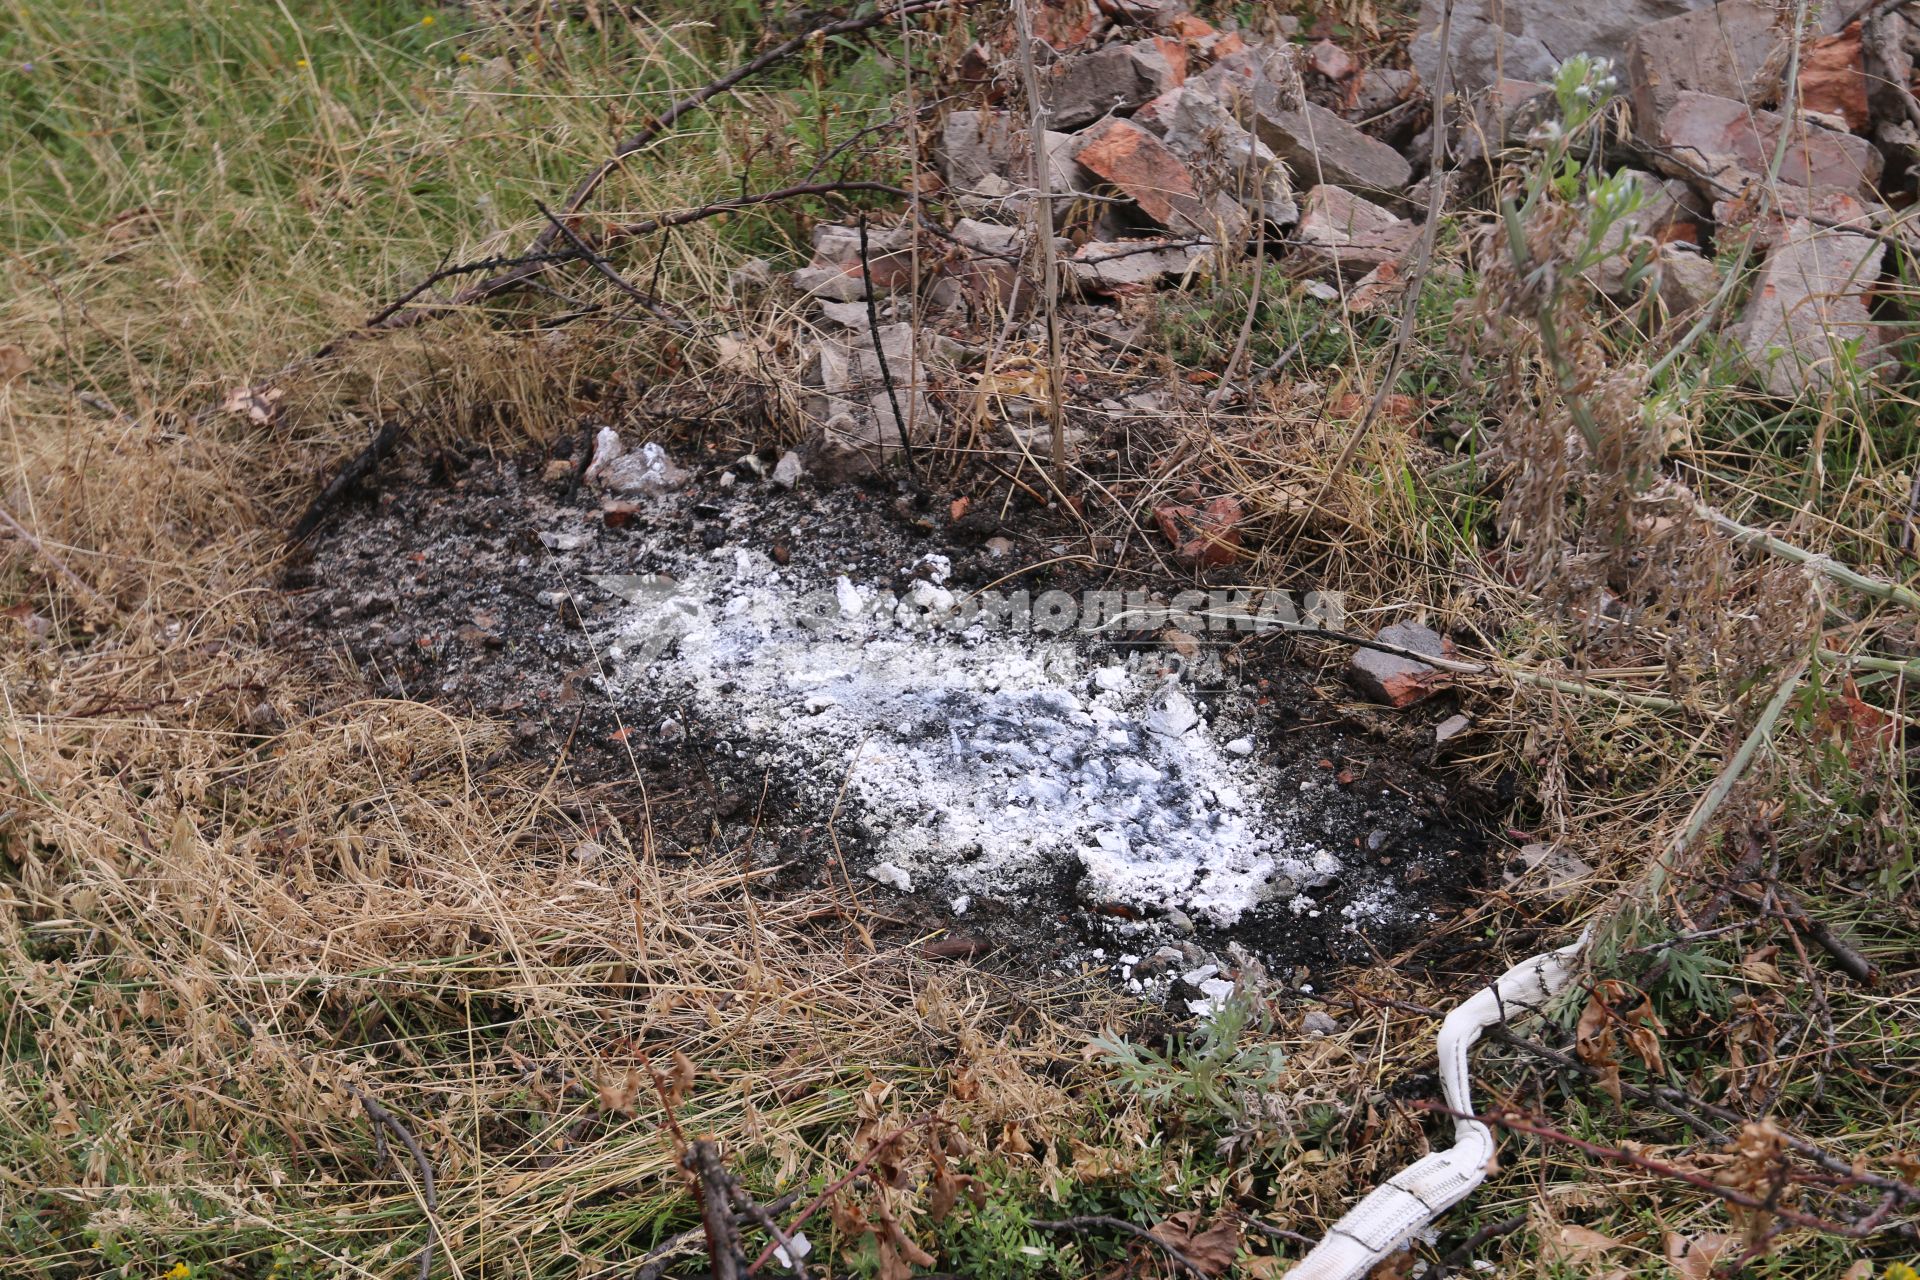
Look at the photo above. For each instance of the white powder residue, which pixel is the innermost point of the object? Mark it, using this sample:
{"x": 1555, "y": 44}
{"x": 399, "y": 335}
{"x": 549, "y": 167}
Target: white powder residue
{"x": 980, "y": 763}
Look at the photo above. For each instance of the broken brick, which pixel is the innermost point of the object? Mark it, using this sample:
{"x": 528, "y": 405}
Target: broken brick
{"x": 1144, "y": 169}
{"x": 1202, "y": 536}
{"x": 1833, "y": 77}
{"x": 1393, "y": 679}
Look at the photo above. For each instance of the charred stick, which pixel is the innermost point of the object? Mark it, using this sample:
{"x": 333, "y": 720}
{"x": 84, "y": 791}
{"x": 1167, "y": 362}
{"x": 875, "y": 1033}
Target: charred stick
{"x": 880, "y": 352}
{"x": 354, "y": 470}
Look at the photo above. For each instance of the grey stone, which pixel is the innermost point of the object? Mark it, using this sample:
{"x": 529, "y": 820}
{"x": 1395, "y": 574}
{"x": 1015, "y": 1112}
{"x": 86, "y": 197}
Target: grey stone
{"x": 1719, "y": 50}
{"x": 1376, "y": 91}
{"x": 1343, "y": 234}
{"x": 1684, "y": 282}
{"x": 1452, "y": 727}
{"x": 979, "y": 145}
{"x": 1225, "y": 158}
{"x": 1732, "y": 144}
{"x": 1548, "y": 870}
{"x": 1319, "y": 147}
{"x": 1126, "y": 267}
{"x": 749, "y": 277}
{"x": 988, "y": 237}
{"x": 1527, "y": 39}
{"x": 835, "y": 272}
{"x": 1081, "y": 88}
{"x": 1155, "y": 62}
{"x": 787, "y": 472}
{"x": 1807, "y": 303}
{"x": 1316, "y": 1023}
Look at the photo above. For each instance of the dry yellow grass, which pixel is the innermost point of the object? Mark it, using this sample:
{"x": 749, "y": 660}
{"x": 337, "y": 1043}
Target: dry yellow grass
{"x": 237, "y": 890}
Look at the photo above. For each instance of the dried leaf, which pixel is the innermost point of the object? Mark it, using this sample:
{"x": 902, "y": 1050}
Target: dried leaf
{"x": 1694, "y": 1257}
{"x": 680, "y": 1078}
{"x": 1212, "y": 1250}
{"x": 259, "y": 405}
{"x": 14, "y": 362}
{"x": 945, "y": 1194}
{"x": 619, "y": 1096}
{"x": 1593, "y": 1042}
{"x": 1397, "y": 1265}
{"x": 1578, "y": 1245}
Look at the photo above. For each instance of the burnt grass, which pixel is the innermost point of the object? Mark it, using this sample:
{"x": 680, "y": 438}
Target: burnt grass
{"x": 434, "y": 584}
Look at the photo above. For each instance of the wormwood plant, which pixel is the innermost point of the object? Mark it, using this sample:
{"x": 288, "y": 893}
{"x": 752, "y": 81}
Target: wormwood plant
{"x": 1591, "y": 521}
{"x": 1220, "y": 1070}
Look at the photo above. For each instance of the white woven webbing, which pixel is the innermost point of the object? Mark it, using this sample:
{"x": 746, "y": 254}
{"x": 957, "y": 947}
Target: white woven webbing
{"x": 1393, "y": 1211}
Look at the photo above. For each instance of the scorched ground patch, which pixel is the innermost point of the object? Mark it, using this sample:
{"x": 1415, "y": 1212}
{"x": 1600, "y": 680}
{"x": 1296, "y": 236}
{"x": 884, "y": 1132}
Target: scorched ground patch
{"x": 779, "y": 675}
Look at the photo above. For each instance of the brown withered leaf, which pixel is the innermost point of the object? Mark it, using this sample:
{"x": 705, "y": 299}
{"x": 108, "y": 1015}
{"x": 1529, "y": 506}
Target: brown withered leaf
{"x": 680, "y": 1078}
{"x": 1614, "y": 1007}
{"x": 1397, "y": 1265}
{"x": 944, "y": 1195}
{"x": 14, "y": 362}
{"x": 1576, "y": 1245}
{"x": 1694, "y": 1257}
{"x": 258, "y": 405}
{"x": 1593, "y": 1042}
{"x": 1013, "y": 1141}
{"x": 619, "y": 1095}
{"x": 1211, "y": 1249}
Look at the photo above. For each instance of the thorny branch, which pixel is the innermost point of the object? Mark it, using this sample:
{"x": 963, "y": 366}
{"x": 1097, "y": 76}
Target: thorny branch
{"x": 866, "y": 1162}
{"x": 1515, "y": 1122}
{"x": 513, "y": 278}
{"x": 1677, "y": 1103}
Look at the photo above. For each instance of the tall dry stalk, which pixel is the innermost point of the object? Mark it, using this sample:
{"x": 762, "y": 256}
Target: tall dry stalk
{"x": 1043, "y": 228}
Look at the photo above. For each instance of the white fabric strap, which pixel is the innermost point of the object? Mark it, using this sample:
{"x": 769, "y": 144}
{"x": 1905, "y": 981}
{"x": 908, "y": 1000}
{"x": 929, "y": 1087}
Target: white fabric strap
{"x": 1393, "y": 1211}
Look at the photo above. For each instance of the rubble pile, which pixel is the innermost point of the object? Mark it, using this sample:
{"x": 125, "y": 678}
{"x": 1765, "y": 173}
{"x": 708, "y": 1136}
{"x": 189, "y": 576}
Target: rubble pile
{"x": 1171, "y": 146}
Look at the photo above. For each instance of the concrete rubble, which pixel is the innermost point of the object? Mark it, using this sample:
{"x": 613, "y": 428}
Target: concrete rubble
{"x": 1343, "y": 235}
{"x": 1807, "y": 312}
{"x": 1173, "y": 145}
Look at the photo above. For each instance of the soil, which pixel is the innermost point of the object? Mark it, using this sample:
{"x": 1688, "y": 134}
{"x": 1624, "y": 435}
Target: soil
{"x": 443, "y": 588}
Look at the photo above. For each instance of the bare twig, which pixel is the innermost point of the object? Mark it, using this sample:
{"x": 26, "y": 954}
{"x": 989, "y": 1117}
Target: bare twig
{"x": 1043, "y": 226}
{"x": 652, "y": 305}
{"x": 716, "y": 1209}
{"x": 880, "y": 349}
{"x": 576, "y": 199}
{"x": 828, "y": 1191}
{"x": 1857, "y": 966}
{"x": 1514, "y": 1122}
{"x": 794, "y": 192}
{"x": 59, "y": 566}
{"x": 383, "y": 1119}
{"x": 1423, "y": 260}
